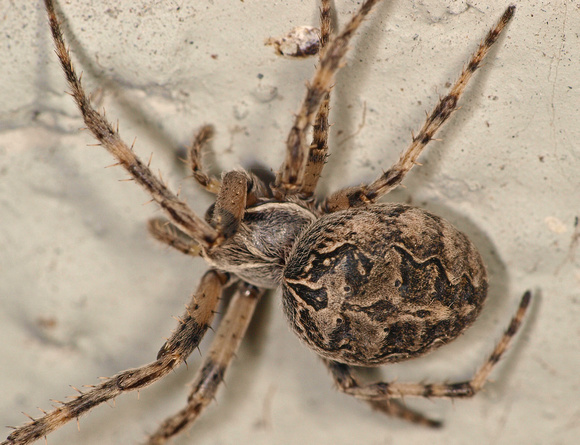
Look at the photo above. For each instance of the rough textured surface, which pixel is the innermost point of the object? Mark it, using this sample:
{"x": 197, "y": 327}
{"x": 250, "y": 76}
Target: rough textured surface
{"x": 85, "y": 293}
{"x": 382, "y": 284}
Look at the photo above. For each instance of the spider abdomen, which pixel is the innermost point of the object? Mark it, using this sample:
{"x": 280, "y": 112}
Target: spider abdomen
{"x": 382, "y": 284}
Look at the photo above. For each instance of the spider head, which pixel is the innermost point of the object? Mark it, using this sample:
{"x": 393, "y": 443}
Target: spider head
{"x": 259, "y": 248}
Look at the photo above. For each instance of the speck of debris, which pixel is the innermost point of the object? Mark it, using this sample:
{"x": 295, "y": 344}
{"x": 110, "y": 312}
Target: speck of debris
{"x": 260, "y": 76}
{"x": 265, "y": 93}
{"x": 555, "y": 225}
{"x": 241, "y": 110}
{"x": 46, "y": 322}
{"x": 114, "y": 13}
{"x": 302, "y": 41}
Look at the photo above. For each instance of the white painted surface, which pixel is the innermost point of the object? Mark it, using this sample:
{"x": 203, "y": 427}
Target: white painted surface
{"x": 86, "y": 293}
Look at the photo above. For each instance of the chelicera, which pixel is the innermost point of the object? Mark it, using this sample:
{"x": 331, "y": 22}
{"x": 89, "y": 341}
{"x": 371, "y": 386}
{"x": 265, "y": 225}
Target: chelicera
{"x": 363, "y": 283}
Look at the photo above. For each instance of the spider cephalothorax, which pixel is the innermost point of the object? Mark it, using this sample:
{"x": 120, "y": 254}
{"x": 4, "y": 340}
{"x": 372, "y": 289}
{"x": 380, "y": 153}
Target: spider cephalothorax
{"x": 260, "y": 248}
{"x": 362, "y": 283}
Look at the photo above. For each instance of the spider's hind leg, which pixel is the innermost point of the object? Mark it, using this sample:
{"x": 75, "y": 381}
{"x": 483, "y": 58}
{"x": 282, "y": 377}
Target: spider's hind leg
{"x": 396, "y": 408}
{"x": 211, "y": 372}
{"x": 383, "y": 391}
{"x": 184, "y": 339}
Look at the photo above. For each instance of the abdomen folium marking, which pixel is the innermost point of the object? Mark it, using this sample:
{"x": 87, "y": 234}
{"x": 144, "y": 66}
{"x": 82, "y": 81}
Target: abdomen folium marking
{"x": 382, "y": 284}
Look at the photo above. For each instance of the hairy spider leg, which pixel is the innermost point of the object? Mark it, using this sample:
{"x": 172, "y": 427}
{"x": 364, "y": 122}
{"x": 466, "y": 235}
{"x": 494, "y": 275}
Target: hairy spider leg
{"x": 365, "y": 194}
{"x": 290, "y": 177}
{"x": 184, "y": 339}
{"x": 347, "y": 382}
{"x": 318, "y": 149}
{"x": 211, "y": 373}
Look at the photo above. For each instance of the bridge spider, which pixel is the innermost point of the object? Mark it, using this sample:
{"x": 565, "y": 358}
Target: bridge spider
{"x": 363, "y": 284}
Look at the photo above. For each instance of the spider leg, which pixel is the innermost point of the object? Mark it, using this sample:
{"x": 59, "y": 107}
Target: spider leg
{"x": 317, "y": 152}
{"x": 290, "y": 177}
{"x": 364, "y": 194}
{"x": 194, "y": 160}
{"x": 178, "y": 211}
{"x": 397, "y": 408}
{"x": 381, "y": 391}
{"x": 212, "y": 371}
{"x": 256, "y": 188}
{"x": 230, "y": 203}
{"x": 186, "y": 337}
{"x": 165, "y": 232}
{"x": 344, "y": 377}
{"x": 237, "y": 190}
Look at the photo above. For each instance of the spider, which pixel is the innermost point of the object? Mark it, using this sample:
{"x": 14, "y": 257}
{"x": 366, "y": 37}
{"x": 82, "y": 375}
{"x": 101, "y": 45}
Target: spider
{"x": 363, "y": 283}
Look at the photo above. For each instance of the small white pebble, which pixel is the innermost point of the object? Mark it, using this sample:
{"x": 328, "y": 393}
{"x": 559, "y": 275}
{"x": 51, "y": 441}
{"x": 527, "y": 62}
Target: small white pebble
{"x": 555, "y": 225}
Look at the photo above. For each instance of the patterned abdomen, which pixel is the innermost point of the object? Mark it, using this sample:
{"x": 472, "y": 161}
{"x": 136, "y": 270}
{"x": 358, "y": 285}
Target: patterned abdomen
{"x": 382, "y": 284}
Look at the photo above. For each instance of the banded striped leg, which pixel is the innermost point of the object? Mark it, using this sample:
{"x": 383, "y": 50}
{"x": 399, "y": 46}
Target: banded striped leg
{"x": 176, "y": 210}
{"x": 346, "y": 381}
{"x": 212, "y": 371}
{"x": 364, "y": 194}
{"x": 235, "y": 190}
{"x": 382, "y": 391}
{"x": 318, "y": 149}
{"x": 396, "y": 408}
{"x": 290, "y": 177}
{"x": 256, "y": 188}
{"x": 165, "y": 232}
{"x": 186, "y": 337}
{"x": 194, "y": 160}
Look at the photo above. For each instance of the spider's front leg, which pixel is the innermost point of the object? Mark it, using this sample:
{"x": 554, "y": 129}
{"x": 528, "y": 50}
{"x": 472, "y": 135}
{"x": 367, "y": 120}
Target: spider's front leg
{"x": 178, "y": 211}
{"x": 211, "y": 372}
{"x": 186, "y": 337}
{"x": 375, "y": 393}
{"x": 227, "y": 214}
{"x": 290, "y": 179}
{"x": 368, "y": 193}
{"x": 165, "y": 232}
{"x": 318, "y": 150}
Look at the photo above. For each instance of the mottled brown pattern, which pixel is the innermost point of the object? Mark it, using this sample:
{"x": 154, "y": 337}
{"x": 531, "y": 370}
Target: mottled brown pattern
{"x": 381, "y": 284}
{"x": 363, "y": 283}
